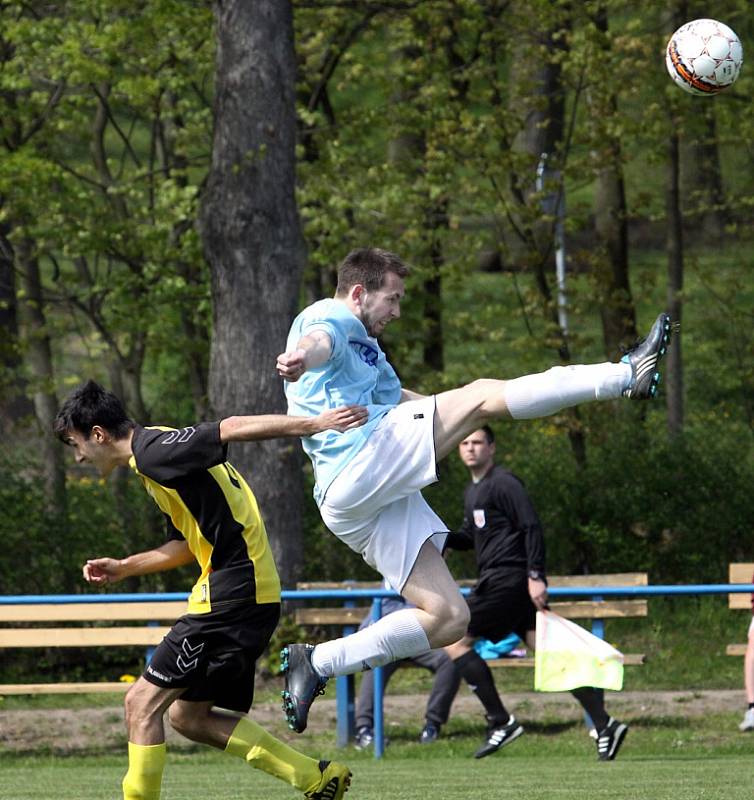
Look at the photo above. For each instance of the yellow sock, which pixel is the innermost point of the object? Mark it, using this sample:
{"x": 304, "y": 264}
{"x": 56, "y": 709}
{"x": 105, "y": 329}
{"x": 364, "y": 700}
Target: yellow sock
{"x": 144, "y": 776}
{"x": 263, "y": 751}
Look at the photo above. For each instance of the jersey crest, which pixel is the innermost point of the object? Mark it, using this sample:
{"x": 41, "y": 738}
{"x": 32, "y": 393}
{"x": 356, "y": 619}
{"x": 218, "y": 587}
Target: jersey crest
{"x": 366, "y": 352}
{"x": 479, "y": 518}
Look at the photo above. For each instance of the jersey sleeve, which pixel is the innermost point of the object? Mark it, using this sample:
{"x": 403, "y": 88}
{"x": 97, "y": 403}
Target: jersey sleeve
{"x": 338, "y": 338}
{"x": 166, "y": 454}
{"x": 513, "y": 498}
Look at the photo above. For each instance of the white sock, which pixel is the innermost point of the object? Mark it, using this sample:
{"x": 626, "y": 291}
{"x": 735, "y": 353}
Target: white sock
{"x": 398, "y": 635}
{"x": 545, "y": 393}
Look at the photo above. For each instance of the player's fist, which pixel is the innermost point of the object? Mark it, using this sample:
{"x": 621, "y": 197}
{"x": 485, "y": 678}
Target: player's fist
{"x": 101, "y": 571}
{"x": 291, "y": 365}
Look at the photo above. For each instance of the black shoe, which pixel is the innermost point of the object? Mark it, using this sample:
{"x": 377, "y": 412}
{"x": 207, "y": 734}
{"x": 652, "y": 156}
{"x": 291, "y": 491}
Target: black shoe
{"x": 364, "y": 738}
{"x": 610, "y": 739}
{"x": 499, "y": 736}
{"x": 430, "y": 733}
{"x": 643, "y": 359}
{"x": 335, "y": 781}
{"x": 302, "y": 684}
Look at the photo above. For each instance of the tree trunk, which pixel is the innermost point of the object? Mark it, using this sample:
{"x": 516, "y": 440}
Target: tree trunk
{"x": 610, "y": 213}
{"x": 38, "y": 357}
{"x": 702, "y": 180}
{"x": 674, "y": 369}
{"x": 14, "y": 403}
{"x": 253, "y": 242}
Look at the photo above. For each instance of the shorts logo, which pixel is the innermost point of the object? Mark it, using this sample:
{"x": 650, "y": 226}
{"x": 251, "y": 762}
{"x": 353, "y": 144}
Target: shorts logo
{"x": 158, "y": 675}
{"x": 192, "y": 656}
{"x": 479, "y": 518}
{"x": 418, "y": 416}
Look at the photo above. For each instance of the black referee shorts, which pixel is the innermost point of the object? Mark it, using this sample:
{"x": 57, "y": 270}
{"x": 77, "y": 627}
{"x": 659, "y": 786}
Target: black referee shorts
{"x": 496, "y": 614}
{"x": 214, "y": 655}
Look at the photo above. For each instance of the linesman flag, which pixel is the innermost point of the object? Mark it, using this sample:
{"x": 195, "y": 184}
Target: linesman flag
{"x": 567, "y": 657}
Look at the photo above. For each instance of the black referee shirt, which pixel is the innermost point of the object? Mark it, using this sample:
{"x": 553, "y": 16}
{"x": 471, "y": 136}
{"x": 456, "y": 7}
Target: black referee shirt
{"x": 503, "y": 528}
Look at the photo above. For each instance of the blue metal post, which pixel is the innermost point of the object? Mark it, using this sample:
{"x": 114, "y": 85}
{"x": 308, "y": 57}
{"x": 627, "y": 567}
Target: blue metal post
{"x": 379, "y": 692}
{"x": 344, "y": 697}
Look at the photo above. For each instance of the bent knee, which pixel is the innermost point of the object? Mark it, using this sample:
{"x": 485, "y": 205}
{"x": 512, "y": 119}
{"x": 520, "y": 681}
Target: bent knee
{"x": 450, "y": 626}
{"x": 182, "y": 721}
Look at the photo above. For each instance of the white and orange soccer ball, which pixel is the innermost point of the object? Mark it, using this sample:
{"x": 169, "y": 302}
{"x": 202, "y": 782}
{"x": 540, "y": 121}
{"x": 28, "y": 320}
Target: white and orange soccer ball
{"x": 704, "y": 56}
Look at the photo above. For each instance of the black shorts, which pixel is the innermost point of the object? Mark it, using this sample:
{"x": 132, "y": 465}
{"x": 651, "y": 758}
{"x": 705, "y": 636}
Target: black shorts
{"x": 214, "y": 655}
{"x": 496, "y": 614}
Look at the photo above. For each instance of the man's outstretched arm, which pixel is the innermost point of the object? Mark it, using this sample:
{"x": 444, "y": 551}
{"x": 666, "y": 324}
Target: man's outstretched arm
{"x": 271, "y": 426}
{"x": 172, "y": 554}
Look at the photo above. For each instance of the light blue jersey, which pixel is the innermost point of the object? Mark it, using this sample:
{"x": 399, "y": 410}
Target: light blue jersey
{"x": 357, "y": 373}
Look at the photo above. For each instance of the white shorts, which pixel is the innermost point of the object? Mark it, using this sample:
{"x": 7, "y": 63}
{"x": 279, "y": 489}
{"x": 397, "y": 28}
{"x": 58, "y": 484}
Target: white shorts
{"x": 751, "y": 627}
{"x": 375, "y": 504}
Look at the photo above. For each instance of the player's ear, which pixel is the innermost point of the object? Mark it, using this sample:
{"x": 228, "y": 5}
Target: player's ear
{"x": 99, "y": 434}
{"x": 356, "y": 292}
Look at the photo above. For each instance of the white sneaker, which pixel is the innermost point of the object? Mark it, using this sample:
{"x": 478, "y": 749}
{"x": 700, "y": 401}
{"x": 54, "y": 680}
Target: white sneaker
{"x": 748, "y": 721}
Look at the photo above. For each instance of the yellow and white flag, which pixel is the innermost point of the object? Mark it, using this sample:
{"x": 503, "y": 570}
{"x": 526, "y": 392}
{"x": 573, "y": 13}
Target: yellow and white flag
{"x": 567, "y": 656}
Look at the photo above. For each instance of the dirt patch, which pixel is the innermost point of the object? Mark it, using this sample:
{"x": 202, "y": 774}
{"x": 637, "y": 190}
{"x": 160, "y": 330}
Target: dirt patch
{"x": 68, "y": 731}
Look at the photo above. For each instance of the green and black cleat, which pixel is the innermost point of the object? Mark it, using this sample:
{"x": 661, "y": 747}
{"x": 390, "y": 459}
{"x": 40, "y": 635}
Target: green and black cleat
{"x": 302, "y": 684}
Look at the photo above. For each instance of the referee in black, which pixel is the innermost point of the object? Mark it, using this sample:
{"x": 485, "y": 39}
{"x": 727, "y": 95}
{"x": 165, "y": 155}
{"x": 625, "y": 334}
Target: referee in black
{"x": 503, "y": 528}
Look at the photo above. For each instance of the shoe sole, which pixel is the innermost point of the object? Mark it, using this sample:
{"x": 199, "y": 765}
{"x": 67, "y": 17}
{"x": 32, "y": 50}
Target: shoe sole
{"x": 289, "y": 709}
{"x": 666, "y": 336}
{"x": 507, "y": 741}
{"x": 651, "y": 362}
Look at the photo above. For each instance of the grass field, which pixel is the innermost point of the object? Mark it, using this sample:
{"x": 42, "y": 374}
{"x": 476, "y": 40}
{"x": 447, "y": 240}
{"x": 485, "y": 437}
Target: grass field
{"x": 664, "y": 758}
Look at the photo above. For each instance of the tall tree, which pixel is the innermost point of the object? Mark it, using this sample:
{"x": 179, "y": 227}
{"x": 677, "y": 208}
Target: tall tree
{"x": 253, "y": 242}
{"x": 610, "y": 209}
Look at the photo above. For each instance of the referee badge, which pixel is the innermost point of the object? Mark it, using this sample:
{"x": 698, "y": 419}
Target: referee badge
{"x": 479, "y": 519}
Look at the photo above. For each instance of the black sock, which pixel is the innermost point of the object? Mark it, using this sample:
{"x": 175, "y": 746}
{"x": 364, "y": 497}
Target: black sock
{"x": 593, "y": 702}
{"x": 476, "y": 673}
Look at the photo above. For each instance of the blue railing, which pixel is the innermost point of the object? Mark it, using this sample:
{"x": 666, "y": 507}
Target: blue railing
{"x": 344, "y": 684}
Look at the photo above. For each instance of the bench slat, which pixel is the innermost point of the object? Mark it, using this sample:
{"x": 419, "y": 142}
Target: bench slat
{"x": 331, "y": 616}
{"x": 578, "y": 609}
{"x": 63, "y": 688}
{"x": 80, "y": 637}
{"x": 629, "y": 659}
{"x": 92, "y": 612}
{"x": 740, "y": 573}
{"x": 611, "y": 579}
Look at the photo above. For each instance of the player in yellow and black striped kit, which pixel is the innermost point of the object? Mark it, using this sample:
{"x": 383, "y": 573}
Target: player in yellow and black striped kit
{"x": 208, "y": 658}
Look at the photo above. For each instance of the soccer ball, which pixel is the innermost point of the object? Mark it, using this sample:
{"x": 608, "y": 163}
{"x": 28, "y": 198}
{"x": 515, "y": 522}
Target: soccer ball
{"x": 704, "y": 56}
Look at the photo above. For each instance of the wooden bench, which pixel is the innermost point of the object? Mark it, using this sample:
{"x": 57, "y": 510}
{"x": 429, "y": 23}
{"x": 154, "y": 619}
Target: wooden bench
{"x": 739, "y": 573}
{"x": 19, "y": 628}
{"x": 349, "y": 616}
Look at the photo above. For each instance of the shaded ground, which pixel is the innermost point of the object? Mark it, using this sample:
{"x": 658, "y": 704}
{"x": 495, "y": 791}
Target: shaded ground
{"x": 68, "y": 731}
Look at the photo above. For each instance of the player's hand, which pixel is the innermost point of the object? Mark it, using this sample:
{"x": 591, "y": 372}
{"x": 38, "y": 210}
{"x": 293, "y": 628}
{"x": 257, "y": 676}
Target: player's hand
{"x": 538, "y": 593}
{"x": 101, "y": 571}
{"x": 291, "y": 365}
{"x": 343, "y": 418}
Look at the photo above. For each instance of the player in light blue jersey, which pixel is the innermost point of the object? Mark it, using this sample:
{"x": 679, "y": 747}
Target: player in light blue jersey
{"x": 369, "y": 480}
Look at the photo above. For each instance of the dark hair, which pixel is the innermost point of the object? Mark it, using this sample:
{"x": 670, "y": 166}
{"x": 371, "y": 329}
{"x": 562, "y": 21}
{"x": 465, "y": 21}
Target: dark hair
{"x": 489, "y": 433}
{"x": 90, "y": 405}
{"x": 368, "y": 266}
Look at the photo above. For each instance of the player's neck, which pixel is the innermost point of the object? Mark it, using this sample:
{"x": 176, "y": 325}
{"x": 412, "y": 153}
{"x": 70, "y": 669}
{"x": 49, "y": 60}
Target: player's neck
{"x": 477, "y": 473}
{"x": 122, "y": 450}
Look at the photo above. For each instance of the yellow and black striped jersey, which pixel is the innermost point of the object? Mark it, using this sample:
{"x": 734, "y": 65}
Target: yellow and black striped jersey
{"x": 207, "y": 503}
